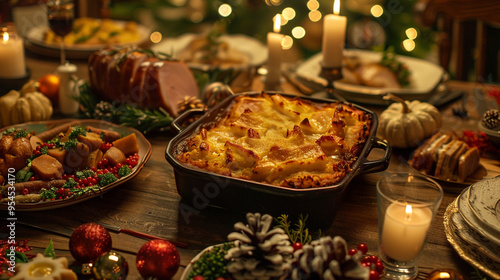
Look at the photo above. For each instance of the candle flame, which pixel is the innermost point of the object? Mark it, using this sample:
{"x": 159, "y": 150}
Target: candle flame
{"x": 277, "y": 23}
{"x": 408, "y": 212}
{"x": 336, "y": 7}
{"x": 444, "y": 275}
{"x": 6, "y": 36}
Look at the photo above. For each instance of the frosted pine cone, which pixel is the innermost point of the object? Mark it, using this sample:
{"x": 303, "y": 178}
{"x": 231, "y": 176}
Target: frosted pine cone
{"x": 260, "y": 252}
{"x": 103, "y": 111}
{"x": 327, "y": 259}
{"x": 491, "y": 119}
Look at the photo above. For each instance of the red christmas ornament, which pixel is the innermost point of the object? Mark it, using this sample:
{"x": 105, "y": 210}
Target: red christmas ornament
{"x": 88, "y": 242}
{"x": 158, "y": 259}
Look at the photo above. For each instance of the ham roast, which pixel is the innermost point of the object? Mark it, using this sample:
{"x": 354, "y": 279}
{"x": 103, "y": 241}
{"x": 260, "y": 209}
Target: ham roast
{"x": 136, "y": 77}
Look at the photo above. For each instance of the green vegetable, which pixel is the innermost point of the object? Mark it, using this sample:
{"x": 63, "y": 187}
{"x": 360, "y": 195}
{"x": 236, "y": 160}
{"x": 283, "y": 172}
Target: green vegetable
{"x": 400, "y": 69}
{"x": 70, "y": 144}
{"x": 70, "y": 183}
{"x": 212, "y": 264}
{"x": 48, "y": 194}
{"x": 84, "y": 174}
{"x": 106, "y": 179}
{"x": 9, "y": 131}
{"x": 21, "y": 133}
{"x": 77, "y": 130}
{"x": 124, "y": 171}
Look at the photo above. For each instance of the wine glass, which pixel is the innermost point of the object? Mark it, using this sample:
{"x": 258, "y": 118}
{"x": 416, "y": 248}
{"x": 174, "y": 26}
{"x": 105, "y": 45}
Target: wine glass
{"x": 61, "y": 14}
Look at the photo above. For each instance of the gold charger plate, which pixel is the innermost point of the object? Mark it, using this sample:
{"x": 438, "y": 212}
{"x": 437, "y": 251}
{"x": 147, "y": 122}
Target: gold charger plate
{"x": 144, "y": 154}
{"x": 466, "y": 251}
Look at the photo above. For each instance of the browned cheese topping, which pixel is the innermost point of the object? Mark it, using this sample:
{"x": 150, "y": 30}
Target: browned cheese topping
{"x": 281, "y": 141}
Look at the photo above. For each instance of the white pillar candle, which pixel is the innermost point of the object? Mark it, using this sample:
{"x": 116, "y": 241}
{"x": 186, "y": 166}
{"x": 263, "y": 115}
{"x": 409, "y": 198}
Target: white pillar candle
{"x": 274, "y": 52}
{"x": 404, "y": 230}
{"x": 12, "y": 64}
{"x": 334, "y": 28}
{"x": 67, "y": 93}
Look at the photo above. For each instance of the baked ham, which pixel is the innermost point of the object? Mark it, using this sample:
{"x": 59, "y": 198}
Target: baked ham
{"x": 446, "y": 157}
{"x": 132, "y": 76}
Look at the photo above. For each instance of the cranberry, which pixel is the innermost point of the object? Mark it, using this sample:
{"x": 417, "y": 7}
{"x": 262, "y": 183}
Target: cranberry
{"x": 198, "y": 277}
{"x": 352, "y": 252}
{"x": 363, "y": 248}
{"x": 374, "y": 275}
{"x": 297, "y": 246}
{"x": 25, "y": 191}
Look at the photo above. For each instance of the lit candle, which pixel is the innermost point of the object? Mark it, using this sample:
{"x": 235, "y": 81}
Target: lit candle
{"x": 404, "y": 230}
{"x": 274, "y": 53}
{"x": 12, "y": 63}
{"x": 334, "y": 27}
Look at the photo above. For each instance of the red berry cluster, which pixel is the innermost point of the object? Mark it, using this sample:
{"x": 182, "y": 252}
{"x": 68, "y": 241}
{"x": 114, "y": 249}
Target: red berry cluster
{"x": 371, "y": 261}
{"x": 37, "y": 151}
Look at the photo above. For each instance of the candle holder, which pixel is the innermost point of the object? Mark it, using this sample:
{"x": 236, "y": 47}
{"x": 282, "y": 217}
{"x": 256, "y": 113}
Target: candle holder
{"x": 407, "y": 204}
{"x": 332, "y": 74}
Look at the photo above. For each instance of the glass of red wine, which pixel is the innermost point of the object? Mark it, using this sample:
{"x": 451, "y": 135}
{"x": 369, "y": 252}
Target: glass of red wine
{"x": 61, "y": 14}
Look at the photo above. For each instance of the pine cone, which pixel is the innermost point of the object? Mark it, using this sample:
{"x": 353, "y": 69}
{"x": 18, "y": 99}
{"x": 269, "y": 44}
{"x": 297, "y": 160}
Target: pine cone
{"x": 491, "y": 119}
{"x": 327, "y": 259}
{"x": 103, "y": 111}
{"x": 259, "y": 253}
{"x": 188, "y": 103}
{"x": 214, "y": 93}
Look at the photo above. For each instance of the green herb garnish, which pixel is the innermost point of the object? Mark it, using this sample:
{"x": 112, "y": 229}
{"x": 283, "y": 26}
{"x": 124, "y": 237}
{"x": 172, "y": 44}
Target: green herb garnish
{"x": 297, "y": 233}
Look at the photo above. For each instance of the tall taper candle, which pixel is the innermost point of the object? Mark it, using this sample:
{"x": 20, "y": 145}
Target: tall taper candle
{"x": 274, "y": 53}
{"x": 334, "y": 28}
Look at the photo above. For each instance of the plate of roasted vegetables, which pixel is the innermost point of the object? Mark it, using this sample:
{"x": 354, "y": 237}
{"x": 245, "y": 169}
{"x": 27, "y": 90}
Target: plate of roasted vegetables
{"x": 51, "y": 164}
{"x": 370, "y": 75}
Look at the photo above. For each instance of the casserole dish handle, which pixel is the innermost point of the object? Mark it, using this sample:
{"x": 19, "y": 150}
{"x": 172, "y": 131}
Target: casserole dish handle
{"x": 178, "y": 124}
{"x": 379, "y": 164}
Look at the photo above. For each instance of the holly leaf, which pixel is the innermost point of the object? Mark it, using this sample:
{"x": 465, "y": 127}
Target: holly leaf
{"x": 49, "y": 251}
{"x": 19, "y": 256}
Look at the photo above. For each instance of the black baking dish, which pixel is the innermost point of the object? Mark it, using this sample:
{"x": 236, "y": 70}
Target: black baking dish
{"x": 200, "y": 188}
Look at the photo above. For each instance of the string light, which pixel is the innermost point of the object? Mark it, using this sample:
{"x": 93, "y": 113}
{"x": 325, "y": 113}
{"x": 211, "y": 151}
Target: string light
{"x": 225, "y": 10}
{"x": 155, "y": 37}
{"x": 298, "y": 32}
{"x": 377, "y": 11}
{"x": 411, "y": 33}
{"x": 315, "y": 16}
{"x": 287, "y": 42}
{"x": 409, "y": 45}
{"x": 288, "y": 13}
{"x": 312, "y": 5}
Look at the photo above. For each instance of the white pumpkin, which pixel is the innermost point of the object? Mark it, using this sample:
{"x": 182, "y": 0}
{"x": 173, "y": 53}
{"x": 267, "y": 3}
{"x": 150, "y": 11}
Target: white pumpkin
{"x": 404, "y": 124}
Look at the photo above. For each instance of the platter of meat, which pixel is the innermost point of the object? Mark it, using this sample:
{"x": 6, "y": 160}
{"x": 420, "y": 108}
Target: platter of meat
{"x": 446, "y": 158}
{"x": 51, "y": 164}
{"x": 205, "y": 52}
{"x": 369, "y": 75}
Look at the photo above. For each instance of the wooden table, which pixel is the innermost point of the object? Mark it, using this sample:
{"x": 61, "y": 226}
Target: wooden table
{"x": 149, "y": 203}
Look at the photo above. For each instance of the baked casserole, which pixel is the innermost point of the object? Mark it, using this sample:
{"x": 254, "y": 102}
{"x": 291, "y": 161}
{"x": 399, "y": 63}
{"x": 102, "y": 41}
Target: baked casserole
{"x": 283, "y": 141}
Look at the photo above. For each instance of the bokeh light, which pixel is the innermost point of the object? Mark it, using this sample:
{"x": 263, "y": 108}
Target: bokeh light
{"x": 155, "y": 37}
{"x": 274, "y": 2}
{"x": 288, "y": 13}
{"x": 225, "y": 10}
{"x": 377, "y": 11}
{"x": 312, "y": 5}
{"x": 411, "y": 33}
{"x": 409, "y": 45}
{"x": 196, "y": 17}
{"x": 287, "y": 42}
{"x": 315, "y": 16}
{"x": 298, "y": 32}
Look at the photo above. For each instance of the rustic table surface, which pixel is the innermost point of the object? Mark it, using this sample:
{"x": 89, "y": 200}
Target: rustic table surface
{"x": 149, "y": 203}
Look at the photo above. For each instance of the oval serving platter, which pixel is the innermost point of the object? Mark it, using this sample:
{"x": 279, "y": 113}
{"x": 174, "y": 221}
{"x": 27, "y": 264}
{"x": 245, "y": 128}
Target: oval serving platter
{"x": 144, "y": 154}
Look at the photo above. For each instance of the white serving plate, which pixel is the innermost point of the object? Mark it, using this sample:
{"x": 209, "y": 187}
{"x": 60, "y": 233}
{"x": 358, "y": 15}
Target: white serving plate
{"x": 483, "y": 198}
{"x": 471, "y": 219}
{"x": 35, "y": 42}
{"x": 426, "y": 77}
{"x": 468, "y": 252}
{"x": 253, "y": 48}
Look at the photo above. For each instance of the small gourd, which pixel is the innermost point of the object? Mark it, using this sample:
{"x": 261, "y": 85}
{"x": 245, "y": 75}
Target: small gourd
{"x": 24, "y": 106}
{"x": 405, "y": 124}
